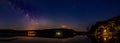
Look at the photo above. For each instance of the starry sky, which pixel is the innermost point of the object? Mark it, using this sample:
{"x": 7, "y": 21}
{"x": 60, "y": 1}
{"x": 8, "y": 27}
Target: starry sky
{"x": 76, "y": 14}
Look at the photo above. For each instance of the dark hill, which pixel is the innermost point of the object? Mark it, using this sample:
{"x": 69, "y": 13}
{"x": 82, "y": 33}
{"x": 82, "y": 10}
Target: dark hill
{"x": 110, "y": 26}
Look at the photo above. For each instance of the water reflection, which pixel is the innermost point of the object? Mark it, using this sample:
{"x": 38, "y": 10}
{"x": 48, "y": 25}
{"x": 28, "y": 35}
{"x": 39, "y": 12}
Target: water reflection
{"x": 105, "y": 39}
{"x": 8, "y": 39}
{"x": 56, "y": 36}
{"x": 93, "y": 39}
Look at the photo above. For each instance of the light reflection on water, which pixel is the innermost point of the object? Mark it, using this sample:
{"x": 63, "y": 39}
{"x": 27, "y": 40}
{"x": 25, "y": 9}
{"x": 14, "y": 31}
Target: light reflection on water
{"x": 105, "y": 39}
{"x": 77, "y": 39}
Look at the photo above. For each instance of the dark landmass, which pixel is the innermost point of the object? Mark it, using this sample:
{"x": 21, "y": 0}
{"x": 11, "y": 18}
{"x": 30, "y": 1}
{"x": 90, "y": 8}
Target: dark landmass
{"x": 48, "y": 33}
{"x": 112, "y": 26}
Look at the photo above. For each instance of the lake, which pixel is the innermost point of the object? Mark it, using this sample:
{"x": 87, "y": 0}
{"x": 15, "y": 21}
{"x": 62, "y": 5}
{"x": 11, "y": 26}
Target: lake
{"x": 75, "y": 39}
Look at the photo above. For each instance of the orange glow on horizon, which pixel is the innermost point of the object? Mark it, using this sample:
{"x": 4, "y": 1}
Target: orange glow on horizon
{"x": 64, "y": 26}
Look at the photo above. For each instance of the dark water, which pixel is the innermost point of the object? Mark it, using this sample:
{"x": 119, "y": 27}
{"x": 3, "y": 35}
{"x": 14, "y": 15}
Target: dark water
{"x": 76, "y": 39}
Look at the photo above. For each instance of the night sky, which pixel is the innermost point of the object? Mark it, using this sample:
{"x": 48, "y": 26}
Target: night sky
{"x": 75, "y": 14}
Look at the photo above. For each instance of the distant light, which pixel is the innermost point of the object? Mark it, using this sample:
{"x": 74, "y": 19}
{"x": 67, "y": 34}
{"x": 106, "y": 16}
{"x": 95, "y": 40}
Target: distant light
{"x": 105, "y": 30}
{"x": 31, "y": 33}
{"x": 105, "y": 39}
{"x": 58, "y": 33}
{"x": 64, "y": 26}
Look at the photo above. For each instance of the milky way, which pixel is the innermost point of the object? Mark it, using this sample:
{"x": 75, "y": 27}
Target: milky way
{"x": 30, "y": 22}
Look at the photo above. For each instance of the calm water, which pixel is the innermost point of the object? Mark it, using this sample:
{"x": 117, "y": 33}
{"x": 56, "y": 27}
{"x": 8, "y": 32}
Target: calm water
{"x": 76, "y": 39}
